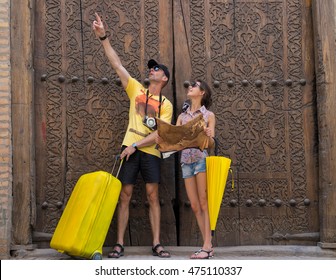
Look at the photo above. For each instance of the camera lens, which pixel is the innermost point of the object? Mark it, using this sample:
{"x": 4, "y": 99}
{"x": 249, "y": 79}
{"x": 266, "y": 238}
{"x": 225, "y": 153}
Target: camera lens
{"x": 151, "y": 122}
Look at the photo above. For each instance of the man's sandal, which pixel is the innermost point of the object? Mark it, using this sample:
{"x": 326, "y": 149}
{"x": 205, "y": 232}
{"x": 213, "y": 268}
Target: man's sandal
{"x": 115, "y": 254}
{"x": 195, "y": 256}
{"x": 160, "y": 253}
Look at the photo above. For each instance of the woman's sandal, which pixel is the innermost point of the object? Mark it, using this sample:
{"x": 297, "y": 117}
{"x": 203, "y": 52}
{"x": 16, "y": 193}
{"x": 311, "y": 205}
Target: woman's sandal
{"x": 208, "y": 256}
{"x": 162, "y": 253}
{"x": 115, "y": 254}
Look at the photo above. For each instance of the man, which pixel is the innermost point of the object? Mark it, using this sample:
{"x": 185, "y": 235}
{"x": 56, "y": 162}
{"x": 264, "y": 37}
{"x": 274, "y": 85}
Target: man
{"x": 139, "y": 148}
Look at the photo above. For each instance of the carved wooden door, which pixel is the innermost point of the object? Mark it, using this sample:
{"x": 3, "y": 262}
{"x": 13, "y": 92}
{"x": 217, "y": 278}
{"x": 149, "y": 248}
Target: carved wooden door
{"x": 81, "y": 111}
{"x": 258, "y": 57}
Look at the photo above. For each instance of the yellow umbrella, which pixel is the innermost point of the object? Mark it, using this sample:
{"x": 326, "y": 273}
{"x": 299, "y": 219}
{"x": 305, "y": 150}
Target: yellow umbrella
{"x": 217, "y": 168}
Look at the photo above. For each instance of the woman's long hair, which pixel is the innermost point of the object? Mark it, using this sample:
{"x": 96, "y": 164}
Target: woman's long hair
{"x": 206, "y": 100}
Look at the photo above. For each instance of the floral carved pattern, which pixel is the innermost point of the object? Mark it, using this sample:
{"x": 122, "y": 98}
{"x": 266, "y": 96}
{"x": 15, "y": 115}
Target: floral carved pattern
{"x": 252, "y": 48}
{"x": 259, "y": 111}
{"x": 86, "y": 117}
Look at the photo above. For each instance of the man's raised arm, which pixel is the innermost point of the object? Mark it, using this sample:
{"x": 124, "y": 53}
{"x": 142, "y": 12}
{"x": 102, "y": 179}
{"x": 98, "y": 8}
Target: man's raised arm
{"x": 99, "y": 30}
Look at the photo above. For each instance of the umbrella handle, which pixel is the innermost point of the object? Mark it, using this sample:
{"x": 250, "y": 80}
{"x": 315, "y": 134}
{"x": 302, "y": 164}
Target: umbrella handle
{"x": 216, "y": 154}
{"x": 232, "y": 179}
{"x": 216, "y": 145}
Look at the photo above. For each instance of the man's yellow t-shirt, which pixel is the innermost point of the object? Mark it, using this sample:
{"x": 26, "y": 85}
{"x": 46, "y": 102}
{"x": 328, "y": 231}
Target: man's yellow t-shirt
{"x": 139, "y": 97}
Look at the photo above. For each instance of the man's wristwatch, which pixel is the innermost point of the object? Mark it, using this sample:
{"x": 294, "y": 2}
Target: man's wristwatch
{"x": 134, "y": 145}
{"x": 103, "y": 38}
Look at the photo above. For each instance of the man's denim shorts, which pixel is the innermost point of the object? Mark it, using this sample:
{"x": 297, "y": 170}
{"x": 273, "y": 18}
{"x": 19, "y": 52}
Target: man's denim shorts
{"x": 191, "y": 169}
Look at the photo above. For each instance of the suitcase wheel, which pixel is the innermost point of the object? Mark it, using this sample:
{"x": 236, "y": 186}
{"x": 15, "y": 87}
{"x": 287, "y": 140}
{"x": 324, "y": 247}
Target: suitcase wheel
{"x": 97, "y": 256}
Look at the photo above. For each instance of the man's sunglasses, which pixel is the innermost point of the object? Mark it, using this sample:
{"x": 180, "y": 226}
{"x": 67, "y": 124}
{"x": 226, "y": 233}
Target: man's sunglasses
{"x": 156, "y": 68}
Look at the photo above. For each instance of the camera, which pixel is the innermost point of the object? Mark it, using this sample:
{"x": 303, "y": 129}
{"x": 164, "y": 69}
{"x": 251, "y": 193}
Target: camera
{"x": 185, "y": 106}
{"x": 149, "y": 122}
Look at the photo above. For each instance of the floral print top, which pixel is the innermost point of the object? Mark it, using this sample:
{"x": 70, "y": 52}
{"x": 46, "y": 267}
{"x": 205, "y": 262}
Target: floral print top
{"x": 192, "y": 155}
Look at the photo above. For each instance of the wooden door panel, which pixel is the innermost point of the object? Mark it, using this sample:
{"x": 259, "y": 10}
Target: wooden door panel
{"x": 257, "y": 57}
{"x": 51, "y": 87}
{"x": 82, "y": 111}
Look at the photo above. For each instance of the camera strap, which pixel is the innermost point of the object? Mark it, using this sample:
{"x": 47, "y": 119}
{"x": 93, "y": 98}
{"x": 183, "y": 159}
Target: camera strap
{"x": 147, "y": 98}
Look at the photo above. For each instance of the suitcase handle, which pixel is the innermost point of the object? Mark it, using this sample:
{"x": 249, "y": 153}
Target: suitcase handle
{"x": 115, "y": 162}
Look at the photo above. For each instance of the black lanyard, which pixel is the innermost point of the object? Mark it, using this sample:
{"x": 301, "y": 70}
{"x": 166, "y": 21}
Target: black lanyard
{"x": 147, "y": 98}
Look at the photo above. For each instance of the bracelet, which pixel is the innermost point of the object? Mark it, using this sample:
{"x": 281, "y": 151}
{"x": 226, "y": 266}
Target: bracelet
{"x": 103, "y": 38}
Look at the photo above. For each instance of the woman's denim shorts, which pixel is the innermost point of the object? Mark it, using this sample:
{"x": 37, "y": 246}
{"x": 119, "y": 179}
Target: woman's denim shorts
{"x": 191, "y": 169}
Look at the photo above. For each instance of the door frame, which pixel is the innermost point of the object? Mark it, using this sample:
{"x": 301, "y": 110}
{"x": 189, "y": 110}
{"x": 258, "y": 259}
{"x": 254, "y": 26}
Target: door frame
{"x": 22, "y": 106}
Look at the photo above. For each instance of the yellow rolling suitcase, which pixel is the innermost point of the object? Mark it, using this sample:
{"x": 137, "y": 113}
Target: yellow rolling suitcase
{"x": 83, "y": 226}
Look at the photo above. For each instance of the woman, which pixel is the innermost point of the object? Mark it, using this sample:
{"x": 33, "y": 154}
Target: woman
{"x": 193, "y": 163}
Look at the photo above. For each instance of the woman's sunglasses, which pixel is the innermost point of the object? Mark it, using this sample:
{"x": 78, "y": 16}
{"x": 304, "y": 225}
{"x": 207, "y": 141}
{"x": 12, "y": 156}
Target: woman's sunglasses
{"x": 195, "y": 84}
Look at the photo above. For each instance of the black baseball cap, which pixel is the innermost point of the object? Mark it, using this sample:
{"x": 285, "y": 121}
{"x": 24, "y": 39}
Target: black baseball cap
{"x": 164, "y": 68}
